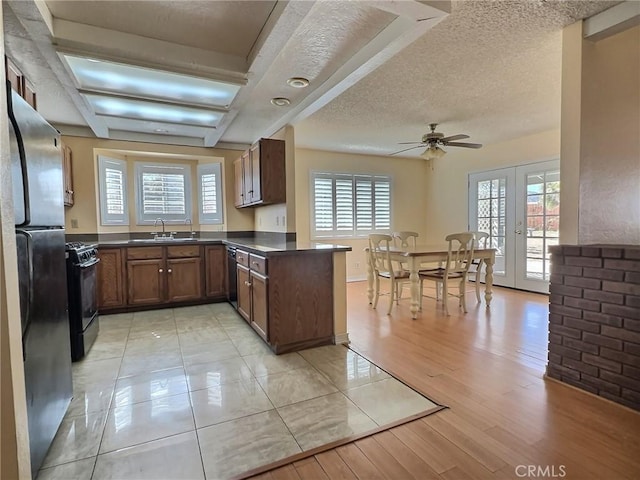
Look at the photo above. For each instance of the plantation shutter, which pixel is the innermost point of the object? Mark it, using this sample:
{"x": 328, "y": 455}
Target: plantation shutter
{"x": 163, "y": 193}
{"x": 210, "y": 193}
{"x": 112, "y": 177}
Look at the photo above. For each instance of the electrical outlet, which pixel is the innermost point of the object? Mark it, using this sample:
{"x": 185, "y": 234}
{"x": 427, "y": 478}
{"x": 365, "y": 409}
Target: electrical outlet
{"x": 278, "y": 220}
{"x": 74, "y": 223}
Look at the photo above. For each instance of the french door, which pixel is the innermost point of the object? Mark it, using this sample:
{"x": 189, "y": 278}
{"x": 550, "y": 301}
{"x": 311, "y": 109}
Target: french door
{"x": 519, "y": 208}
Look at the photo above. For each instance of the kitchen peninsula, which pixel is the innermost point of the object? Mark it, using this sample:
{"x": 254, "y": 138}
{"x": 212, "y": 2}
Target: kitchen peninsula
{"x": 293, "y": 294}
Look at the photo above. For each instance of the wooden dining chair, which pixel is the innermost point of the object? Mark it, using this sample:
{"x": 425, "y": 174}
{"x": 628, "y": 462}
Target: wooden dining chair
{"x": 383, "y": 267}
{"x": 456, "y": 267}
{"x": 475, "y": 269}
{"x": 404, "y": 238}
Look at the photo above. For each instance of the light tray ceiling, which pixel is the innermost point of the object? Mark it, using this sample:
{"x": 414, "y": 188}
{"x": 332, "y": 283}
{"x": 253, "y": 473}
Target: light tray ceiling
{"x": 379, "y": 72}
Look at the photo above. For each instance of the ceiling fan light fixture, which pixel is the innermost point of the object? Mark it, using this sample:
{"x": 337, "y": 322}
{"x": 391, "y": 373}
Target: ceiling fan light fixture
{"x": 433, "y": 152}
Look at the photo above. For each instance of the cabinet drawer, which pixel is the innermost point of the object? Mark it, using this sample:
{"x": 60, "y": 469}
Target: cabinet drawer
{"x": 242, "y": 258}
{"x": 180, "y": 251}
{"x": 258, "y": 264}
{"x": 144, "y": 252}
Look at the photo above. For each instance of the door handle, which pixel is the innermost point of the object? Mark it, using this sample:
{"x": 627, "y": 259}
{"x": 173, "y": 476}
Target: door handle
{"x": 519, "y": 232}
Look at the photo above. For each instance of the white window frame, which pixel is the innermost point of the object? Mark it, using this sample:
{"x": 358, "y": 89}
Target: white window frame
{"x": 149, "y": 219}
{"x": 107, "y": 218}
{"x": 354, "y": 232}
{"x": 217, "y": 217}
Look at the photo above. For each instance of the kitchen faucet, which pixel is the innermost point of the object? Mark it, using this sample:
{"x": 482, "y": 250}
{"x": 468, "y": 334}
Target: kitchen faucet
{"x": 155, "y": 223}
{"x": 191, "y": 232}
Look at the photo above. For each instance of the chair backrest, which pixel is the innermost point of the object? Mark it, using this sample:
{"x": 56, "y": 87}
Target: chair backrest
{"x": 404, "y": 238}
{"x": 379, "y": 252}
{"x": 481, "y": 240}
{"x": 460, "y": 252}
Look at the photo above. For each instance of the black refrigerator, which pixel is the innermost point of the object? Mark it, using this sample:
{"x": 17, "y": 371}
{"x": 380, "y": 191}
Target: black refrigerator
{"x": 36, "y": 168}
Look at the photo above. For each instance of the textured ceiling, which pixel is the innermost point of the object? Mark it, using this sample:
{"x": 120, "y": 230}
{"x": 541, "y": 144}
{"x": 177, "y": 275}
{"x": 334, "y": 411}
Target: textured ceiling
{"x": 491, "y": 69}
{"x": 379, "y": 71}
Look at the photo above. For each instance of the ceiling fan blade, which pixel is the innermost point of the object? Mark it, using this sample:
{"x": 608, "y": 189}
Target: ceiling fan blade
{"x": 408, "y": 143}
{"x": 460, "y": 136}
{"x": 410, "y": 148}
{"x": 467, "y": 145}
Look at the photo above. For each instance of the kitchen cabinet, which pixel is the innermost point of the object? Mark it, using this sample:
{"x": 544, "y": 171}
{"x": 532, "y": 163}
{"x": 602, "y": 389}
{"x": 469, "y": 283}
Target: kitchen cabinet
{"x": 158, "y": 275}
{"x": 214, "y": 271}
{"x": 19, "y": 82}
{"x": 287, "y": 298}
{"x": 260, "y": 174}
{"x": 67, "y": 171}
{"x": 111, "y": 281}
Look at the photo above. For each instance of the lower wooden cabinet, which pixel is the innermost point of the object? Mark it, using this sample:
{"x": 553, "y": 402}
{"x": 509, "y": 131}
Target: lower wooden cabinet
{"x": 287, "y": 299}
{"x": 184, "y": 279}
{"x": 146, "y": 281}
{"x": 215, "y": 268}
{"x": 111, "y": 279}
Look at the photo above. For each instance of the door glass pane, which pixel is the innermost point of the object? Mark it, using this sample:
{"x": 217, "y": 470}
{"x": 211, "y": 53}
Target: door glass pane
{"x": 491, "y": 216}
{"x": 542, "y": 220}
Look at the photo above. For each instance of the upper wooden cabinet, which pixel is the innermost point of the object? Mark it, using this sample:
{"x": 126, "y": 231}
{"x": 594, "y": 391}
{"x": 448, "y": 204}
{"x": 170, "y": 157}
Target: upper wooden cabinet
{"x": 67, "y": 169}
{"x": 260, "y": 174}
{"x": 19, "y": 82}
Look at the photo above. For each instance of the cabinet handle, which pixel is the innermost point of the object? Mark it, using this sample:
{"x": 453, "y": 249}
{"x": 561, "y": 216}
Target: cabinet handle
{"x": 256, "y": 264}
{"x": 169, "y": 270}
{"x": 160, "y": 270}
{"x": 248, "y": 284}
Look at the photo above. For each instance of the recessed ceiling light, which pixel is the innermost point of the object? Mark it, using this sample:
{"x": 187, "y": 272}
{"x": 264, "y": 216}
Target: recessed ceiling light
{"x": 281, "y": 101}
{"x": 298, "y": 82}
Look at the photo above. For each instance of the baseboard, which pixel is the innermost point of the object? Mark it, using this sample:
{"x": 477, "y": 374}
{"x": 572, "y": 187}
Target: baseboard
{"x": 359, "y": 278}
{"x": 341, "y": 338}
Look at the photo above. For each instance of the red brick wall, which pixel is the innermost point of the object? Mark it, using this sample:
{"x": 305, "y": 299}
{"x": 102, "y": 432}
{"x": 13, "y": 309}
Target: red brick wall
{"x": 594, "y": 320}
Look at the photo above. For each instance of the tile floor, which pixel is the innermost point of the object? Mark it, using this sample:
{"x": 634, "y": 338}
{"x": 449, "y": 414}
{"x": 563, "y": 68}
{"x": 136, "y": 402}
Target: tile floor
{"x": 194, "y": 393}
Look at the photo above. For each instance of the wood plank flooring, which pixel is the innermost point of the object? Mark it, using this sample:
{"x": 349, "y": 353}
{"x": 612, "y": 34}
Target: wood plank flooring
{"x": 488, "y": 367}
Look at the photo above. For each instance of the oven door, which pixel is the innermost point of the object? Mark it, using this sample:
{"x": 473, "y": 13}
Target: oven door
{"x": 88, "y": 275}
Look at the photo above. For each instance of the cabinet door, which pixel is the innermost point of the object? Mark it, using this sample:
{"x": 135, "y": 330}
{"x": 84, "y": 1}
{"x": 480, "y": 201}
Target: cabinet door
{"x": 183, "y": 279}
{"x": 259, "y": 305}
{"x": 244, "y": 293}
{"x": 215, "y": 271}
{"x": 67, "y": 169}
{"x": 247, "y": 179}
{"x": 111, "y": 290}
{"x": 146, "y": 281}
{"x": 254, "y": 159}
{"x": 29, "y": 93}
{"x": 239, "y": 182}
{"x": 14, "y": 75}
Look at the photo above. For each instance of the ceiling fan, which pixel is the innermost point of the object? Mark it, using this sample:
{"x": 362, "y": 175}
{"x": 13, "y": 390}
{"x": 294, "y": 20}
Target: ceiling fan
{"x": 433, "y": 140}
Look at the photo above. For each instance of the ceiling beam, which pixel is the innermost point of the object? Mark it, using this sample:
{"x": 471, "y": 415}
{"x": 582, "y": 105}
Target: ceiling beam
{"x": 614, "y": 20}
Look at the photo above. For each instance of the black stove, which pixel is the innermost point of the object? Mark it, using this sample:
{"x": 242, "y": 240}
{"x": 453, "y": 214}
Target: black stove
{"x": 82, "y": 263}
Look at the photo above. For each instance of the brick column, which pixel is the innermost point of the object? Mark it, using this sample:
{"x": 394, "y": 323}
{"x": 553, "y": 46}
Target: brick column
{"x": 594, "y": 320}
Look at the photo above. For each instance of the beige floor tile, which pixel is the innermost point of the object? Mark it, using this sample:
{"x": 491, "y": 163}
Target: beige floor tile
{"x": 152, "y": 362}
{"x": 171, "y": 458}
{"x": 228, "y": 401}
{"x": 388, "y": 400}
{"x": 351, "y": 372}
{"x": 195, "y": 354}
{"x": 324, "y": 419}
{"x": 195, "y": 324}
{"x": 202, "y": 336}
{"x": 105, "y": 349}
{"x": 137, "y": 423}
{"x": 295, "y": 386}
{"x": 90, "y": 398}
{"x": 87, "y": 372}
{"x": 77, "y": 438}
{"x": 250, "y": 345}
{"x": 267, "y": 363}
{"x": 149, "y": 386}
{"x": 219, "y": 372}
{"x": 236, "y": 446}
{"x": 80, "y": 470}
{"x": 327, "y": 353}
{"x": 152, "y": 344}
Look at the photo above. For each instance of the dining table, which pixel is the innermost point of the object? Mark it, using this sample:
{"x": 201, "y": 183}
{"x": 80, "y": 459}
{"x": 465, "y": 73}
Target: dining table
{"x": 415, "y": 255}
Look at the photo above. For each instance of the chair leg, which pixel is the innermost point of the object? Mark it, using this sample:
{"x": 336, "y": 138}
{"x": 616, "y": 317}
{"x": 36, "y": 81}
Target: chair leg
{"x": 463, "y": 296}
{"x": 421, "y": 295}
{"x": 393, "y": 291}
{"x": 477, "y": 279}
{"x": 445, "y": 294}
{"x": 377, "y": 292}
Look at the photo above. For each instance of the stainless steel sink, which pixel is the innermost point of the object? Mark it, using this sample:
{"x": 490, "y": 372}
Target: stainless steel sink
{"x": 162, "y": 239}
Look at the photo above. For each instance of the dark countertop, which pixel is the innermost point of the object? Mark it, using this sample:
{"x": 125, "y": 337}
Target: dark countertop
{"x": 262, "y": 247}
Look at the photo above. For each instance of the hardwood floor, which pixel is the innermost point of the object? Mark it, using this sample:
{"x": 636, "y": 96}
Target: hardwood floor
{"x": 504, "y": 419}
